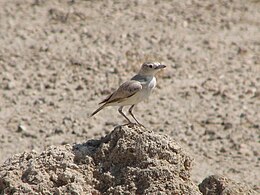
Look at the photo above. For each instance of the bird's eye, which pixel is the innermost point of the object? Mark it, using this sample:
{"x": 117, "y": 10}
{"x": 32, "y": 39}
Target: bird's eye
{"x": 150, "y": 66}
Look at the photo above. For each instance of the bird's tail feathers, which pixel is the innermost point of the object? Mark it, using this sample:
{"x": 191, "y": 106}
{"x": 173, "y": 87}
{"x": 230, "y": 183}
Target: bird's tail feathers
{"x": 96, "y": 111}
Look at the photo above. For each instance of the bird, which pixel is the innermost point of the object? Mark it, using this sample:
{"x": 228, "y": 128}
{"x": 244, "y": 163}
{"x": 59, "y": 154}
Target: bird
{"x": 133, "y": 91}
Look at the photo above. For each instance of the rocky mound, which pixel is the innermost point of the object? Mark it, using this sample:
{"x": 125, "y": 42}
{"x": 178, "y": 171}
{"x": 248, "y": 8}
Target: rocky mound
{"x": 129, "y": 160}
{"x": 220, "y": 185}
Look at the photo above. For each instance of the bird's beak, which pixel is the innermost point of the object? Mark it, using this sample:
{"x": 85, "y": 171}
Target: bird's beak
{"x": 161, "y": 66}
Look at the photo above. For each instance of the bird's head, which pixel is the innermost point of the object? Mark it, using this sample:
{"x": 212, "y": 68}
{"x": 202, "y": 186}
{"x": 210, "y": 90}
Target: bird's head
{"x": 151, "y": 68}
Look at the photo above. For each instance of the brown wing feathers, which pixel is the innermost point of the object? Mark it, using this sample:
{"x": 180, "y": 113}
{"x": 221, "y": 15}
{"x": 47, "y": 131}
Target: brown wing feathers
{"x": 125, "y": 91}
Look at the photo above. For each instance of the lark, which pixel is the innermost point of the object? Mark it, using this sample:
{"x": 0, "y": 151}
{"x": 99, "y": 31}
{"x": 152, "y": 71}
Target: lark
{"x": 134, "y": 91}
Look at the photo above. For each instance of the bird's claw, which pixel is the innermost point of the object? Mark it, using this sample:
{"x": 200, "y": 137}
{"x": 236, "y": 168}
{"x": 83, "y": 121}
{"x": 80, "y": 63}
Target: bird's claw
{"x": 133, "y": 124}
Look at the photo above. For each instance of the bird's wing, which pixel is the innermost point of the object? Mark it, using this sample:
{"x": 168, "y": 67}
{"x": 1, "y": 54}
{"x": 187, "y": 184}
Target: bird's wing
{"x": 126, "y": 90}
{"x": 107, "y": 98}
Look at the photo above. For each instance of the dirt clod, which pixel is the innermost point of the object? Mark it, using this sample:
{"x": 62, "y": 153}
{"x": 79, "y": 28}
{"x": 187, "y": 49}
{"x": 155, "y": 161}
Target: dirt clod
{"x": 220, "y": 185}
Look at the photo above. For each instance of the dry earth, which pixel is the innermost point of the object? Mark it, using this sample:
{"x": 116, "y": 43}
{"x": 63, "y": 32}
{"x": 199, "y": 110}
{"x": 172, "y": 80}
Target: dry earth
{"x": 126, "y": 161}
{"x": 129, "y": 160}
{"x": 58, "y": 59}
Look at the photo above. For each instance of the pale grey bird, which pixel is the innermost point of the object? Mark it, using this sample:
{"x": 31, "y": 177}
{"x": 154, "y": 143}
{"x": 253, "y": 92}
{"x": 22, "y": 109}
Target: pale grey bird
{"x": 133, "y": 91}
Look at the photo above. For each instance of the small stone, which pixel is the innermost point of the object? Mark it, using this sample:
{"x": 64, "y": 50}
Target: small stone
{"x": 79, "y": 87}
{"x": 21, "y": 128}
{"x": 10, "y": 85}
{"x": 58, "y": 131}
{"x": 185, "y": 24}
{"x": 29, "y": 134}
{"x": 223, "y": 150}
{"x": 227, "y": 126}
{"x": 161, "y": 130}
{"x": 51, "y": 103}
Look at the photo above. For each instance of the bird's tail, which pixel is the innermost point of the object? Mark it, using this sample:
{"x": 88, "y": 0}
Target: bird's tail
{"x": 96, "y": 111}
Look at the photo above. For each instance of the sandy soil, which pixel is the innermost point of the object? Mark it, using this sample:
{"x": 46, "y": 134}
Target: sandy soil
{"x": 59, "y": 59}
{"x": 129, "y": 160}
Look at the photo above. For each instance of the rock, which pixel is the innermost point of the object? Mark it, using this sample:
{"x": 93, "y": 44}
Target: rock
{"x": 10, "y": 85}
{"x": 220, "y": 185}
{"x": 79, "y": 87}
{"x": 24, "y": 131}
{"x": 129, "y": 160}
{"x": 21, "y": 128}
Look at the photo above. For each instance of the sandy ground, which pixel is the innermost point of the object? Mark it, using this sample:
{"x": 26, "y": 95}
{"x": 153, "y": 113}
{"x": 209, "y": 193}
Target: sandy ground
{"x": 59, "y": 59}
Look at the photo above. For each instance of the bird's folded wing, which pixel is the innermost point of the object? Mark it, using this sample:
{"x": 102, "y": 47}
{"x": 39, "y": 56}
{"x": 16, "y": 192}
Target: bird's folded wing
{"x": 126, "y": 90}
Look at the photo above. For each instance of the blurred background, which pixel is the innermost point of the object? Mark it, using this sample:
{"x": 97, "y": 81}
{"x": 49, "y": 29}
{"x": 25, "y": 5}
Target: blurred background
{"x": 58, "y": 59}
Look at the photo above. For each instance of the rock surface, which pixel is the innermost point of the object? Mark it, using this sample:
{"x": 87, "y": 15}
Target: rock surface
{"x": 129, "y": 160}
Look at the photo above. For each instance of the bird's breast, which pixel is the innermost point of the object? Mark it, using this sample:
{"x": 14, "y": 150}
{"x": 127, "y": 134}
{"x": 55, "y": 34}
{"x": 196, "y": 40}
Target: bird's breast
{"x": 152, "y": 83}
{"x": 147, "y": 87}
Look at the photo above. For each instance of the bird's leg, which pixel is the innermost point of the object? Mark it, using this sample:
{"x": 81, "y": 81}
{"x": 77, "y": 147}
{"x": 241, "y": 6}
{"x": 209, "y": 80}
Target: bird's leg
{"x": 130, "y": 112}
{"x": 120, "y": 110}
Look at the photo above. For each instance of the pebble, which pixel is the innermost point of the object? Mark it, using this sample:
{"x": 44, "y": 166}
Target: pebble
{"x": 10, "y": 85}
{"x": 21, "y": 128}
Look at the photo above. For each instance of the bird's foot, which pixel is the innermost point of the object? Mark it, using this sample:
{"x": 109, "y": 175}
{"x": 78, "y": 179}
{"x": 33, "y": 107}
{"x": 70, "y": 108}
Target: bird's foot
{"x": 141, "y": 125}
{"x": 134, "y": 124}
{"x": 130, "y": 124}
